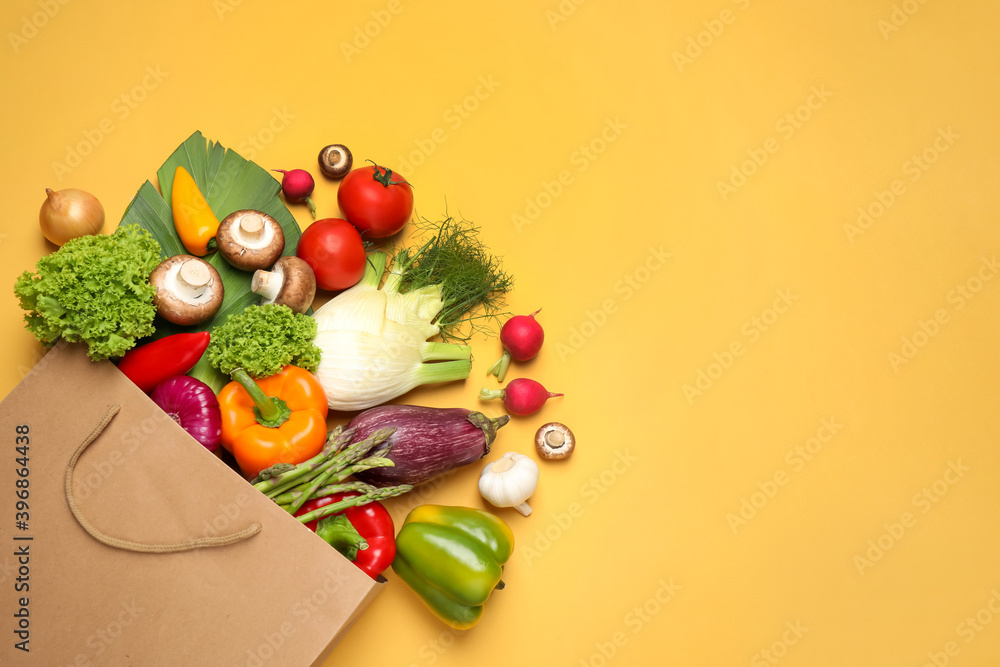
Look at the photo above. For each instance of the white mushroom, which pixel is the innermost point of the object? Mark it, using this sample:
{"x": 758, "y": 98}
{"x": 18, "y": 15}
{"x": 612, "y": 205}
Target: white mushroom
{"x": 250, "y": 240}
{"x": 290, "y": 282}
{"x": 554, "y": 441}
{"x": 335, "y": 161}
{"x": 188, "y": 290}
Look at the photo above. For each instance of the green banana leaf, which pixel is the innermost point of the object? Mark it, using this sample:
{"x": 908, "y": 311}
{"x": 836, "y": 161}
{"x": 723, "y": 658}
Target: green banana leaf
{"x": 229, "y": 183}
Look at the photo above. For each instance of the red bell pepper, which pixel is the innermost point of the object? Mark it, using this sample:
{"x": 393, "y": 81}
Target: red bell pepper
{"x": 365, "y": 534}
{"x": 150, "y": 364}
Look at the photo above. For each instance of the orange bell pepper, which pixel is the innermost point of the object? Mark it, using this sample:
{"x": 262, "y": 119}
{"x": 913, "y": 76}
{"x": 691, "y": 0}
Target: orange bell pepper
{"x": 279, "y": 419}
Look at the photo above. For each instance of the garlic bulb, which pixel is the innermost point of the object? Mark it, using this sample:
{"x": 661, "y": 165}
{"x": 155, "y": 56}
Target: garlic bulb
{"x": 510, "y": 481}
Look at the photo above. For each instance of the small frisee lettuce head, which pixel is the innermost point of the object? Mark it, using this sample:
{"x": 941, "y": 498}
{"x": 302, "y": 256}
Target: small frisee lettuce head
{"x": 264, "y": 339}
{"x": 95, "y": 290}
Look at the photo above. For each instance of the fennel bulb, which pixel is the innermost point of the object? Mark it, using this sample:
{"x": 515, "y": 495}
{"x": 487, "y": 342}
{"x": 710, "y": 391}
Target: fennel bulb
{"x": 374, "y": 341}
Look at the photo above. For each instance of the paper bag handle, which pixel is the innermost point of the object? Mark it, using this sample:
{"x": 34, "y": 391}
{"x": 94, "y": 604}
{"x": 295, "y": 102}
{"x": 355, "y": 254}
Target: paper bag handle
{"x": 129, "y": 545}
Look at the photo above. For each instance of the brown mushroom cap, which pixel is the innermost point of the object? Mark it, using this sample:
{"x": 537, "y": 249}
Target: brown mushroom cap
{"x": 250, "y": 240}
{"x": 188, "y": 290}
{"x": 554, "y": 441}
{"x": 290, "y": 282}
{"x": 335, "y": 161}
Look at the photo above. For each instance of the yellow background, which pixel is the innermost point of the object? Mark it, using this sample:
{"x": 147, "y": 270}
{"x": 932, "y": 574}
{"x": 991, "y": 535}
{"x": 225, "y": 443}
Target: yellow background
{"x": 701, "y": 333}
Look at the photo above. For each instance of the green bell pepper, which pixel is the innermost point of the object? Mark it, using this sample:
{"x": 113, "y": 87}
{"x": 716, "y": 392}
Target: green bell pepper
{"x": 453, "y": 557}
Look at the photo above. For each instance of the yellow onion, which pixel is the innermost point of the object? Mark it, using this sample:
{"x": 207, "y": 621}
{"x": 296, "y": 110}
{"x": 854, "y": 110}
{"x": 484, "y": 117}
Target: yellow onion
{"x": 70, "y": 213}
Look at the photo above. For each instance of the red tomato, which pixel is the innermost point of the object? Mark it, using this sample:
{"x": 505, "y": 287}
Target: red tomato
{"x": 333, "y": 249}
{"x": 376, "y": 200}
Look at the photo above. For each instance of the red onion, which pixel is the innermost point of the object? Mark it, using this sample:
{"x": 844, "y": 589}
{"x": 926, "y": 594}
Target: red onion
{"x": 192, "y": 404}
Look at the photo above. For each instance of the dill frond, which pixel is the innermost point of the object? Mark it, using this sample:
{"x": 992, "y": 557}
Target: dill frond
{"x": 473, "y": 282}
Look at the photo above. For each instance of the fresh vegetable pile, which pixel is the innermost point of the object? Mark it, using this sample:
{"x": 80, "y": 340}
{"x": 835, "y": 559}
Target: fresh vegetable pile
{"x": 203, "y": 297}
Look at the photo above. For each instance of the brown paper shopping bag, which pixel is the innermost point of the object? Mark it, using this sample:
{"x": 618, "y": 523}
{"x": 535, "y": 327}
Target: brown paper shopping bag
{"x": 255, "y": 587}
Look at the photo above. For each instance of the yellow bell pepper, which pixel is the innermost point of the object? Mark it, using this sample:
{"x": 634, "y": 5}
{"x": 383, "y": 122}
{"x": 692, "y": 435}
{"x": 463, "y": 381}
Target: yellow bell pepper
{"x": 195, "y": 223}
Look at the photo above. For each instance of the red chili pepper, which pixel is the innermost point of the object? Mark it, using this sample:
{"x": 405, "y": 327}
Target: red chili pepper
{"x": 355, "y": 527}
{"x": 150, "y": 364}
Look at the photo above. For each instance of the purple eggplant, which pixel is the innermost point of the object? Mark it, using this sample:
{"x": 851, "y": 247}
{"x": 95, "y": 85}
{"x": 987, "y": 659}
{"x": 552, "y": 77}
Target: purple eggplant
{"x": 427, "y": 441}
{"x": 192, "y": 404}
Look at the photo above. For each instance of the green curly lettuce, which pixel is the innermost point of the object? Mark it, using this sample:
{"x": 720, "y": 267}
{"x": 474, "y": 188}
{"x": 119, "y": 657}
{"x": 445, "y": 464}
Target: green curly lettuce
{"x": 262, "y": 340}
{"x": 95, "y": 290}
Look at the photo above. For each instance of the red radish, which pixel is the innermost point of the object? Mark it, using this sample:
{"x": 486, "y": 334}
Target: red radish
{"x": 521, "y": 397}
{"x": 521, "y": 337}
{"x": 297, "y": 185}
